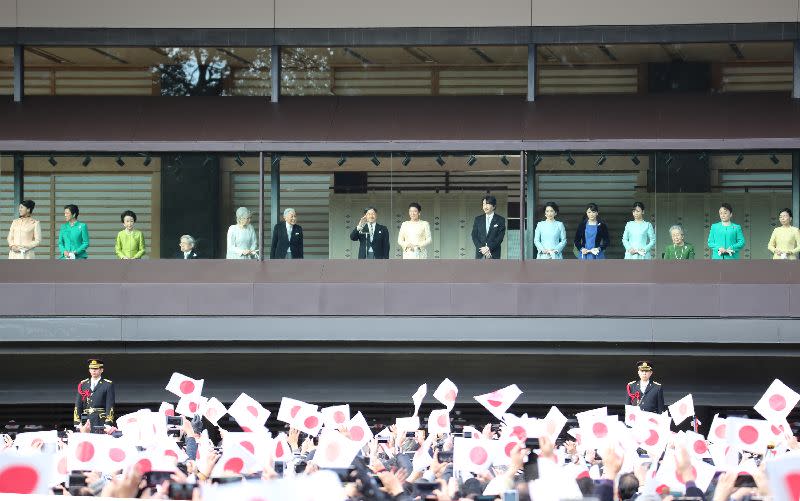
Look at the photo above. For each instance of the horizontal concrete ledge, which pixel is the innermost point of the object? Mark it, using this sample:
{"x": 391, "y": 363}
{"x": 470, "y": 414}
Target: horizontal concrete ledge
{"x": 312, "y": 334}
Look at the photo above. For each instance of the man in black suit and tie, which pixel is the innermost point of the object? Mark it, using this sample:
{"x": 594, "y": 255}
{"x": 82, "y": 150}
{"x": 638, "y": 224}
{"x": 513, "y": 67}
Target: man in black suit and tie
{"x": 186, "y": 248}
{"x": 647, "y": 394}
{"x": 287, "y": 238}
{"x": 373, "y": 238}
{"x": 488, "y": 231}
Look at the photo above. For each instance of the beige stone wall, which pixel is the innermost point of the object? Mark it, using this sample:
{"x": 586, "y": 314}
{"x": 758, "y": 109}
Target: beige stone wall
{"x": 385, "y": 13}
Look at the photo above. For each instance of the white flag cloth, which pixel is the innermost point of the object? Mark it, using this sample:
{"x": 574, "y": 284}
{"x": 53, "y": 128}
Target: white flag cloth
{"x": 632, "y": 414}
{"x": 35, "y": 439}
{"x": 166, "y": 409}
{"x": 248, "y": 412}
{"x": 418, "y": 396}
{"x": 697, "y": 445}
{"x": 439, "y": 421}
{"x": 682, "y": 409}
{"x": 336, "y": 416}
{"x": 405, "y": 424}
{"x": 718, "y": 430}
{"x": 554, "y": 422}
{"x": 498, "y": 401}
{"x": 784, "y": 477}
{"x": 751, "y": 435}
{"x": 290, "y": 408}
{"x": 99, "y": 452}
{"x": 777, "y": 402}
{"x": 308, "y": 420}
{"x": 190, "y": 405}
{"x": 26, "y": 474}
{"x": 334, "y": 450}
{"x": 280, "y": 448}
{"x": 358, "y": 430}
{"x": 446, "y": 393}
{"x": 256, "y": 443}
{"x": 184, "y": 386}
{"x": 472, "y": 455}
{"x": 213, "y": 410}
{"x": 236, "y": 459}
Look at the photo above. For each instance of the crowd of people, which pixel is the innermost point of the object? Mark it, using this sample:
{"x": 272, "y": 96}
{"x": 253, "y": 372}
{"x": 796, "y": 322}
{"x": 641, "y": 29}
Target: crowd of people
{"x": 590, "y": 241}
{"x": 182, "y": 451}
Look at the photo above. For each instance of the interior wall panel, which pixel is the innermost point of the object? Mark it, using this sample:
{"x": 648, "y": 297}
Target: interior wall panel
{"x": 8, "y": 13}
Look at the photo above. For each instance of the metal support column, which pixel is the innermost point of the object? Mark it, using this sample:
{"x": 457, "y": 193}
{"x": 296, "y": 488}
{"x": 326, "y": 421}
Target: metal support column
{"x": 522, "y": 162}
{"x": 275, "y": 189}
{"x": 260, "y": 205}
{"x": 531, "y": 72}
{"x": 19, "y": 181}
{"x": 796, "y": 71}
{"x": 530, "y": 201}
{"x": 275, "y": 72}
{"x": 796, "y": 184}
{"x": 19, "y": 73}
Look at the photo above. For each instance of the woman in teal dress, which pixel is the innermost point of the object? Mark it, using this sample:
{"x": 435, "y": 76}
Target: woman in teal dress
{"x": 725, "y": 239}
{"x": 639, "y": 237}
{"x": 550, "y": 236}
{"x": 73, "y": 238}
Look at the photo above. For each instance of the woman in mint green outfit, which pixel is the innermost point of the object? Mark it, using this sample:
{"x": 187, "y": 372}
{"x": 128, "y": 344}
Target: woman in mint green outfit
{"x": 639, "y": 237}
{"x": 725, "y": 239}
{"x": 73, "y": 239}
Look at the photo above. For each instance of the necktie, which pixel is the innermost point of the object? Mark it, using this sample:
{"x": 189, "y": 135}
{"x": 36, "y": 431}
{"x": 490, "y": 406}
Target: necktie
{"x": 371, "y": 231}
{"x": 488, "y": 222}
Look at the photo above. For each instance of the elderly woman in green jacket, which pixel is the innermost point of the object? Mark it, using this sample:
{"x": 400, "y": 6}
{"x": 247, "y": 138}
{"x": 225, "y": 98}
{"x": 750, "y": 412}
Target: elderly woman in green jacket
{"x": 725, "y": 239}
{"x": 73, "y": 238}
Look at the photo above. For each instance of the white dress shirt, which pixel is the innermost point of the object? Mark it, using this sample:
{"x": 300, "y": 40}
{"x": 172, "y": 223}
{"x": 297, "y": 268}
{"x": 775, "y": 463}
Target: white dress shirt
{"x": 489, "y": 222}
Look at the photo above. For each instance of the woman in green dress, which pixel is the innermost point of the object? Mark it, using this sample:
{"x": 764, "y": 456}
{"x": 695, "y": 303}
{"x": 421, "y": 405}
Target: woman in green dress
{"x": 679, "y": 249}
{"x": 725, "y": 239}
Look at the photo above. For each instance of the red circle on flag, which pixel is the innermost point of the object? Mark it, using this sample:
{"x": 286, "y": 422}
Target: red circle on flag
{"x": 246, "y": 429}
{"x": 356, "y": 433}
{"x": 192, "y": 406}
{"x": 519, "y": 432}
{"x": 143, "y": 466}
{"x": 682, "y": 408}
{"x": 450, "y": 396}
{"x": 700, "y": 446}
{"x": 495, "y": 399}
{"x": 116, "y": 454}
{"x": 84, "y": 451}
{"x": 748, "y": 434}
{"x": 234, "y": 464}
{"x": 211, "y": 413}
{"x": 777, "y": 402}
{"x": 19, "y": 479}
{"x": 294, "y": 410}
{"x": 478, "y": 455}
{"x": 186, "y": 387}
{"x": 777, "y": 430}
{"x": 631, "y": 417}
{"x": 252, "y": 410}
{"x": 653, "y": 420}
{"x": 679, "y": 477}
{"x": 721, "y": 430}
{"x": 311, "y": 422}
{"x": 171, "y": 454}
{"x": 509, "y": 446}
{"x": 338, "y": 416}
{"x": 600, "y": 430}
{"x": 333, "y": 451}
{"x": 652, "y": 439}
{"x": 441, "y": 420}
{"x": 279, "y": 450}
{"x": 37, "y": 442}
{"x": 249, "y": 446}
{"x": 169, "y": 412}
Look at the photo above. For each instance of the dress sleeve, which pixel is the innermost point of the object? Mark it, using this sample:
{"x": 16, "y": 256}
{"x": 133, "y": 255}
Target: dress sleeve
{"x": 232, "y": 249}
{"x": 712, "y": 239}
{"x": 537, "y": 238}
{"x": 626, "y": 237}
{"x": 84, "y": 239}
{"x": 253, "y": 238}
{"x": 37, "y": 234}
{"x": 10, "y": 237}
{"x": 772, "y": 241}
{"x": 739, "y": 244}
{"x": 62, "y": 240}
{"x": 139, "y": 245}
{"x": 401, "y": 236}
{"x": 690, "y": 252}
{"x": 651, "y": 238}
{"x": 562, "y": 237}
{"x": 118, "y": 246}
{"x": 426, "y": 235}
{"x": 796, "y": 249}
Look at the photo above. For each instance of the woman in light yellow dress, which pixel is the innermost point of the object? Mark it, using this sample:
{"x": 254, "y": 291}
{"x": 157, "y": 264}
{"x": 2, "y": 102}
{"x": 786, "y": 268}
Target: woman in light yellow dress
{"x": 785, "y": 240}
{"x": 415, "y": 235}
{"x": 25, "y": 233}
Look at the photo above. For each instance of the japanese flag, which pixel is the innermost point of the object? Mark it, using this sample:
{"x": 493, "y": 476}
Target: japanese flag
{"x": 290, "y": 408}
{"x": 501, "y": 452}
{"x": 652, "y": 433}
{"x": 553, "y": 423}
{"x": 236, "y": 459}
{"x": 751, "y": 435}
{"x": 498, "y": 401}
{"x": 152, "y": 460}
{"x": 35, "y": 439}
{"x": 190, "y": 405}
{"x": 248, "y": 412}
{"x": 418, "y": 396}
{"x": 358, "y": 430}
{"x": 668, "y": 474}
{"x": 777, "y": 402}
{"x": 682, "y": 409}
{"x": 697, "y": 445}
{"x": 718, "y": 430}
{"x": 213, "y": 410}
{"x": 334, "y": 450}
{"x": 143, "y": 427}
{"x": 780, "y": 433}
{"x": 405, "y": 424}
{"x": 280, "y": 448}
{"x": 439, "y": 421}
{"x": 336, "y": 416}
{"x": 422, "y": 456}
{"x": 168, "y": 448}
{"x": 632, "y": 415}
{"x": 723, "y": 455}
{"x": 90, "y": 451}
{"x": 166, "y": 409}
{"x": 258, "y": 444}
{"x": 472, "y": 455}
{"x": 26, "y": 474}
{"x": 184, "y": 386}
{"x": 595, "y": 430}
{"x": 784, "y": 477}
{"x": 446, "y": 393}
{"x": 308, "y": 420}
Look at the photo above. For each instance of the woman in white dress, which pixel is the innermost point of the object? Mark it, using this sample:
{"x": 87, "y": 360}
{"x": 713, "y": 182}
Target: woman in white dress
{"x": 242, "y": 238}
{"x": 415, "y": 235}
{"x": 639, "y": 236}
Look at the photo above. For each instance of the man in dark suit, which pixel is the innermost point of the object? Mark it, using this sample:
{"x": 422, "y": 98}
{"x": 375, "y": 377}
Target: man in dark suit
{"x": 488, "y": 231}
{"x": 287, "y": 238}
{"x": 95, "y": 399}
{"x": 647, "y": 394}
{"x": 373, "y": 238}
{"x": 186, "y": 248}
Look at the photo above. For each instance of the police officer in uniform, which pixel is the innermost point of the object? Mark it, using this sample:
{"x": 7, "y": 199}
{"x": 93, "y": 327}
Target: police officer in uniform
{"x": 95, "y": 399}
{"x": 647, "y": 394}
